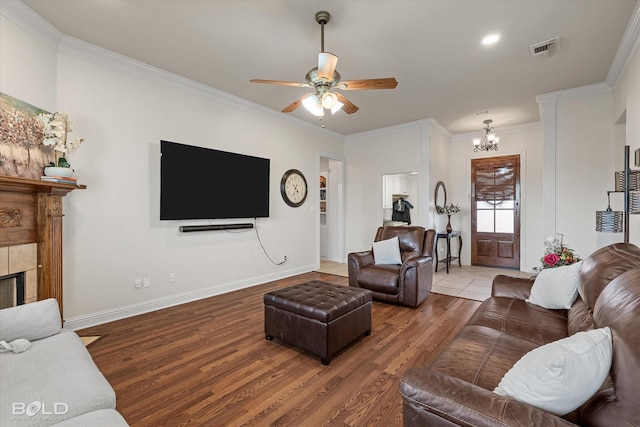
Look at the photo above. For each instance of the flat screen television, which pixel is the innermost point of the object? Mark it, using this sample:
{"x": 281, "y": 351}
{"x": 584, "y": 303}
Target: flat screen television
{"x": 203, "y": 183}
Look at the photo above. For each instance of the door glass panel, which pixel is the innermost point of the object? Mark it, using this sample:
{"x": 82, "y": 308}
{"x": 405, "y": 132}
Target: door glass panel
{"x": 485, "y": 221}
{"x": 484, "y": 205}
{"x": 505, "y": 204}
{"x": 504, "y": 221}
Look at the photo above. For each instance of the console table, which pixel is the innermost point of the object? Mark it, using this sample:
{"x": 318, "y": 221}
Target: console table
{"x": 449, "y": 258}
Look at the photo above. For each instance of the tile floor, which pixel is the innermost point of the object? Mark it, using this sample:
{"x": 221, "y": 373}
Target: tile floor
{"x": 468, "y": 281}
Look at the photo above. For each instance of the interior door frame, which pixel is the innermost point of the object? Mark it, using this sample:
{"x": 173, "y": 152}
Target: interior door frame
{"x": 340, "y": 211}
{"x": 523, "y": 200}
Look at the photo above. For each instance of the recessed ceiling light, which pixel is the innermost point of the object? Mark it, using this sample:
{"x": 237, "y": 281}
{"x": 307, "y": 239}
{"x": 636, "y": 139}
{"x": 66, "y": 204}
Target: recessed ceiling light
{"x": 490, "y": 39}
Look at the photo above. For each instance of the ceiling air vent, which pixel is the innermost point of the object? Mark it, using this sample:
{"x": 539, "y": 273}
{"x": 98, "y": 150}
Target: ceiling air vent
{"x": 548, "y": 47}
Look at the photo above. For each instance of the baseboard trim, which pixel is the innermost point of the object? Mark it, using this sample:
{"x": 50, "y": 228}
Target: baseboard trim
{"x": 106, "y": 316}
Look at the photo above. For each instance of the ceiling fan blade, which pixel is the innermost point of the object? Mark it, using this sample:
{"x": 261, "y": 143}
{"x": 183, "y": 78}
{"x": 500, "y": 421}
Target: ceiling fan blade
{"x": 384, "y": 83}
{"x": 295, "y": 104}
{"x": 278, "y": 82}
{"x": 326, "y": 65}
{"x": 348, "y": 107}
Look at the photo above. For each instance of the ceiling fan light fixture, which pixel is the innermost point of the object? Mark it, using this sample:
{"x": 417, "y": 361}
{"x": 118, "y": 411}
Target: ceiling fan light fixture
{"x": 337, "y": 107}
{"x": 324, "y": 78}
{"x": 329, "y": 100}
{"x": 313, "y": 104}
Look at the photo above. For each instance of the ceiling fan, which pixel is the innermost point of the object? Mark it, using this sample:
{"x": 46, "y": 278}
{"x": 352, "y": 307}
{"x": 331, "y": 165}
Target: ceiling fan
{"x": 324, "y": 78}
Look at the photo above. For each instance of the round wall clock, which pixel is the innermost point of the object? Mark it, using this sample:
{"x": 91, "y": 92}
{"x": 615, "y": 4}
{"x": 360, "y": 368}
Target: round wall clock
{"x": 293, "y": 188}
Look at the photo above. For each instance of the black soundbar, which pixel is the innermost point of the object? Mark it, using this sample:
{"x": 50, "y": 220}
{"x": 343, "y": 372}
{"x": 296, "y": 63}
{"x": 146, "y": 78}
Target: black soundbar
{"x": 190, "y": 228}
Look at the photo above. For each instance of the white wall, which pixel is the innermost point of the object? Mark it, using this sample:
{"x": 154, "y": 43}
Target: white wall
{"x": 112, "y": 231}
{"x": 585, "y": 165}
{"x": 524, "y": 140}
{"x": 28, "y": 70}
{"x": 439, "y": 170}
{"x": 368, "y": 156}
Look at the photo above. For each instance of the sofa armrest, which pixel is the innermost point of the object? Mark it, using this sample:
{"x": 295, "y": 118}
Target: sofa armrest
{"x": 433, "y": 398}
{"x": 414, "y": 280}
{"x": 355, "y": 261}
{"x": 362, "y": 258}
{"x": 511, "y": 286}
{"x": 415, "y": 262}
{"x": 33, "y": 321}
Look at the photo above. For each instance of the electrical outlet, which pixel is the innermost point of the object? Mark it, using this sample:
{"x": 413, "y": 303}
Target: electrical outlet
{"x": 172, "y": 278}
{"x": 137, "y": 283}
{"x": 146, "y": 282}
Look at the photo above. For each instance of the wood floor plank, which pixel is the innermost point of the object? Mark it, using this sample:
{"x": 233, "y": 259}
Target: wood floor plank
{"x": 207, "y": 363}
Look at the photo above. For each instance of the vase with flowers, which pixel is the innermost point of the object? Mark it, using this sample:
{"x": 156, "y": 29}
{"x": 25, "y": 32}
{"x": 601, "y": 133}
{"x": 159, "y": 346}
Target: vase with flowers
{"x": 449, "y": 210}
{"x": 556, "y": 253}
{"x": 57, "y": 137}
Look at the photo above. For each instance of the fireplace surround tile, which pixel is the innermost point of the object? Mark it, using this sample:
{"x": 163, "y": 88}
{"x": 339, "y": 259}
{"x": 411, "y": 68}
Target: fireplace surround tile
{"x": 31, "y": 286}
{"x": 23, "y": 257}
{"x": 4, "y": 261}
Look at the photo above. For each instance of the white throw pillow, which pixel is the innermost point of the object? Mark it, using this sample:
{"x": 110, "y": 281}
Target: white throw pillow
{"x": 387, "y": 251}
{"x": 556, "y": 287}
{"x": 560, "y": 376}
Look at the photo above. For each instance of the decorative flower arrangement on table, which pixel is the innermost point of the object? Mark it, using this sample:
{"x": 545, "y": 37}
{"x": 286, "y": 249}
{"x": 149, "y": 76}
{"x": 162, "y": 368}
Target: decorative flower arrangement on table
{"x": 57, "y": 135}
{"x": 557, "y": 254}
{"x": 449, "y": 209}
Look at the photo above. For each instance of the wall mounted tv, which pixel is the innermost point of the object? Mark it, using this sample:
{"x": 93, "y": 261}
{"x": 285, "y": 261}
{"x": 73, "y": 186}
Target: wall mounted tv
{"x": 203, "y": 183}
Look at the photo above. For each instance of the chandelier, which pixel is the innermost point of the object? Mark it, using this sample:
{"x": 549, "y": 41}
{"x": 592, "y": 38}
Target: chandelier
{"x": 489, "y": 141}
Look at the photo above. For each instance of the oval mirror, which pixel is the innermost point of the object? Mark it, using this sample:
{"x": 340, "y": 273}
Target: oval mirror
{"x": 440, "y": 197}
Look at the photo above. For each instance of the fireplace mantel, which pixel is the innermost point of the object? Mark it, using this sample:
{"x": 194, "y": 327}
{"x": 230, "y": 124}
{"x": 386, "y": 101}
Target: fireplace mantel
{"x": 31, "y": 212}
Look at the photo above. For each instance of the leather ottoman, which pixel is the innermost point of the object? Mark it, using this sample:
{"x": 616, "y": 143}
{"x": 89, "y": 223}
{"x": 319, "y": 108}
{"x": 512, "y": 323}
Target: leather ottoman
{"x": 318, "y": 317}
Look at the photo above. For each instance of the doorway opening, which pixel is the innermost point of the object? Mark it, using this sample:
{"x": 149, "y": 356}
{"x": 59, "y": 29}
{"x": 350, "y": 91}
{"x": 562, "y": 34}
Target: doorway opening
{"x": 400, "y": 199}
{"x": 331, "y": 209}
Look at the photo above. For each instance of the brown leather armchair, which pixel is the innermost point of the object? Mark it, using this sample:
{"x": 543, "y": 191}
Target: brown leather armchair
{"x": 407, "y": 284}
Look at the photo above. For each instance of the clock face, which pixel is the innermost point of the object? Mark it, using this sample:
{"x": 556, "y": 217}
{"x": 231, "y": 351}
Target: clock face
{"x": 293, "y": 188}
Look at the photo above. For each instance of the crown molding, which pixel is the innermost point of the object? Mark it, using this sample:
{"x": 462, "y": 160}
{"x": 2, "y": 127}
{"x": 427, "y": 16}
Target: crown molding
{"x": 438, "y": 128}
{"x": 27, "y": 19}
{"x": 415, "y": 125}
{"x": 628, "y": 45}
{"x": 575, "y": 93}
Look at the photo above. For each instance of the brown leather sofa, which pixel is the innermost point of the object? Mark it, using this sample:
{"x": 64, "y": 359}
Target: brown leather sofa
{"x": 407, "y": 284}
{"x": 456, "y": 387}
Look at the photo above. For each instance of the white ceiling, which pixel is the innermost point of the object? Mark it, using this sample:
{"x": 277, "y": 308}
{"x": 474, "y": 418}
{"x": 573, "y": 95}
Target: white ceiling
{"x": 433, "y": 48}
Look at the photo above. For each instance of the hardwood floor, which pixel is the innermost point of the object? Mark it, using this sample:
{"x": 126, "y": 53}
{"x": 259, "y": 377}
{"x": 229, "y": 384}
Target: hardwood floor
{"x": 207, "y": 363}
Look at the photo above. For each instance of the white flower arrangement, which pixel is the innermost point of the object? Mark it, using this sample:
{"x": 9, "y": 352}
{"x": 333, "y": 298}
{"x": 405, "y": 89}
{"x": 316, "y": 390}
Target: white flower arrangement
{"x": 449, "y": 209}
{"x": 57, "y": 130}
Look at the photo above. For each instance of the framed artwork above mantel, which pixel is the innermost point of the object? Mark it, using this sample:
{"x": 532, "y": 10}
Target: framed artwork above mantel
{"x": 22, "y": 153}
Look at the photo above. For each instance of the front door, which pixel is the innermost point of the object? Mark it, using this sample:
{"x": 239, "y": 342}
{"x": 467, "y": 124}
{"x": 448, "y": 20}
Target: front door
{"x": 495, "y": 212}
